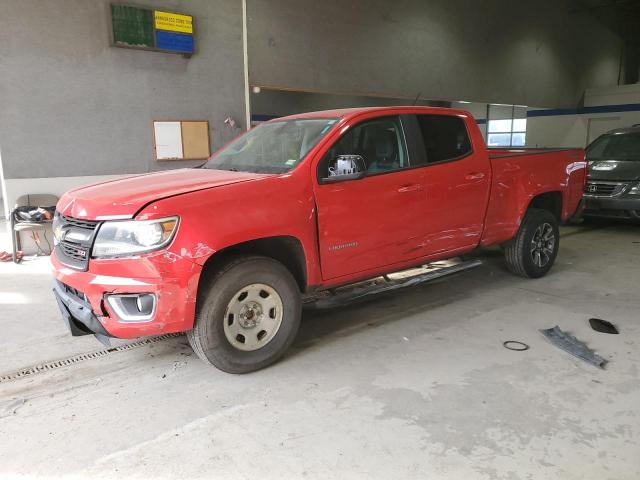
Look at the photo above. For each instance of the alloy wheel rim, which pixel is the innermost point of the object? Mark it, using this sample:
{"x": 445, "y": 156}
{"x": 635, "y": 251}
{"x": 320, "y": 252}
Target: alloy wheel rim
{"x": 542, "y": 245}
{"x": 253, "y": 317}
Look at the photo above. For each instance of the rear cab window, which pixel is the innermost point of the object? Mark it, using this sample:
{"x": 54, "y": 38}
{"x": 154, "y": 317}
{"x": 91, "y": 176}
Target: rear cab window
{"x": 437, "y": 138}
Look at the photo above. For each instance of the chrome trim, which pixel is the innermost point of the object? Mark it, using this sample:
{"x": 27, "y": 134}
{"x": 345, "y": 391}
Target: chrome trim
{"x": 619, "y": 188}
{"x": 73, "y": 238}
{"x": 114, "y": 217}
{"x": 116, "y": 305}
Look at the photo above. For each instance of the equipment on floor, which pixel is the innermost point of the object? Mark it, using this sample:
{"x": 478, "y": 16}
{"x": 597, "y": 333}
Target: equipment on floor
{"x": 32, "y": 213}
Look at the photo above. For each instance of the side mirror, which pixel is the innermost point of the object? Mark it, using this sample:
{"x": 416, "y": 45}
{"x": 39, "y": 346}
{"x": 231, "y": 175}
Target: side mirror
{"x": 346, "y": 167}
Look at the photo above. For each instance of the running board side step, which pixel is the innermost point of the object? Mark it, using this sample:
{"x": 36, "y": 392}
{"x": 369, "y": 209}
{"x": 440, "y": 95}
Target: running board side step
{"x": 363, "y": 290}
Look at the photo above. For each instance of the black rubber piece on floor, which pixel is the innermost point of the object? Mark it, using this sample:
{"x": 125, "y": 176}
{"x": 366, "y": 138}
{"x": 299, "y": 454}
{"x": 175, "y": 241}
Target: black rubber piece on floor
{"x": 515, "y": 345}
{"x": 603, "y": 326}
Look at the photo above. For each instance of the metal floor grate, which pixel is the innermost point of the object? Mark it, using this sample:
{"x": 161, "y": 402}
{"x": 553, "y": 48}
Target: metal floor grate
{"x": 46, "y": 367}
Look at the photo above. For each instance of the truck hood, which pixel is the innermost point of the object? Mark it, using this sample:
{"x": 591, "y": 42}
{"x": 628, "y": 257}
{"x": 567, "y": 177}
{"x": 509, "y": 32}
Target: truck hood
{"x": 614, "y": 170}
{"x": 123, "y": 198}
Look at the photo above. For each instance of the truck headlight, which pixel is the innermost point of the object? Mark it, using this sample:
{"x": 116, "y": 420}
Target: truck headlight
{"x": 635, "y": 190}
{"x": 116, "y": 239}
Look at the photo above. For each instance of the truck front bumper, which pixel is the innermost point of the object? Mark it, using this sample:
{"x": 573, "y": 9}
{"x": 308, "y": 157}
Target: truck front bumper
{"x": 612, "y": 207}
{"x": 77, "y": 312}
{"x": 83, "y": 297}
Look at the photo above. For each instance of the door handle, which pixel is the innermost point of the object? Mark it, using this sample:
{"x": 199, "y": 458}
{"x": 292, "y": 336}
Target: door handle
{"x": 410, "y": 187}
{"x": 475, "y": 176}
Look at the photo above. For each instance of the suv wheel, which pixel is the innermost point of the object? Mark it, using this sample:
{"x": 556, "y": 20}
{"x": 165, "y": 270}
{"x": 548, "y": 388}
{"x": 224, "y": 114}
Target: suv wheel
{"x": 247, "y": 315}
{"x": 533, "y": 251}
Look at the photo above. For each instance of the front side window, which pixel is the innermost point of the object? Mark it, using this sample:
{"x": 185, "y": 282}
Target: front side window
{"x": 622, "y": 146}
{"x": 274, "y": 147}
{"x": 379, "y": 142}
{"x": 445, "y": 137}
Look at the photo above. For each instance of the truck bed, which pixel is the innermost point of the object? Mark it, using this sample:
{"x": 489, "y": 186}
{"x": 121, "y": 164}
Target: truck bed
{"x": 518, "y": 176}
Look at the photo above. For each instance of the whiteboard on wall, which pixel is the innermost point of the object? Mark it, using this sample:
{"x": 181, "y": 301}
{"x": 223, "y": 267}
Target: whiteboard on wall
{"x": 181, "y": 139}
{"x": 168, "y": 138}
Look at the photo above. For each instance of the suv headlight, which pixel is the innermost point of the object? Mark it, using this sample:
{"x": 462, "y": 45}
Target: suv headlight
{"x": 121, "y": 238}
{"x": 635, "y": 190}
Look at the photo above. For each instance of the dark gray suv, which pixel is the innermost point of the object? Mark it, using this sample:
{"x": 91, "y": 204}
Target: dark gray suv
{"x": 613, "y": 183}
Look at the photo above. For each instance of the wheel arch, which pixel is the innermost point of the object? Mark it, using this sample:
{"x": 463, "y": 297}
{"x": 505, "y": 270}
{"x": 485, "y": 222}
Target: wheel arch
{"x": 550, "y": 201}
{"x": 282, "y": 248}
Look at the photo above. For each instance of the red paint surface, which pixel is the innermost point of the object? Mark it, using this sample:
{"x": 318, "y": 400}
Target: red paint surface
{"x": 348, "y": 231}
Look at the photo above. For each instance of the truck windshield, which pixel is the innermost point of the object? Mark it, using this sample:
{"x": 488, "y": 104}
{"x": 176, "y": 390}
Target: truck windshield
{"x": 622, "y": 146}
{"x": 274, "y": 147}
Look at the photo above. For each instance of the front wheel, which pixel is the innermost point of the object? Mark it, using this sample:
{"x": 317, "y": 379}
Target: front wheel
{"x": 248, "y": 315}
{"x": 533, "y": 251}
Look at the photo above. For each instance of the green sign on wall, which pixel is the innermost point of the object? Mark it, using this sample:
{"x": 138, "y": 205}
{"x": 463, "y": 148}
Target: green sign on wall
{"x": 148, "y": 29}
{"x": 132, "y": 26}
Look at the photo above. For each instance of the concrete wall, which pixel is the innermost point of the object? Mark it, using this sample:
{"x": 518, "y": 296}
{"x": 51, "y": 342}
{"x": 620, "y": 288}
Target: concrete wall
{"x": 280, "y": 103}
{"x": 604, "y": 109}
{"x": 614, "y": 95}
{"x": 557, "y": 131}
{"x": 275, "y": 103}
{"x": 518, "y": 52}
{"x": 72, "y": 106}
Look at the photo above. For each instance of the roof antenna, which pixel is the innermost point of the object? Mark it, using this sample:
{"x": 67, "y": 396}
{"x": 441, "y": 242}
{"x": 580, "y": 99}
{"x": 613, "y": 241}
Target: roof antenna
{"x": 417, "y": 97}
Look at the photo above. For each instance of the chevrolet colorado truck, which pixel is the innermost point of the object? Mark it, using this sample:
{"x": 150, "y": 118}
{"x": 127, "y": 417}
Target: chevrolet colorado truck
{"x": 613, "y": 181}
{"x": 306, "y": 203}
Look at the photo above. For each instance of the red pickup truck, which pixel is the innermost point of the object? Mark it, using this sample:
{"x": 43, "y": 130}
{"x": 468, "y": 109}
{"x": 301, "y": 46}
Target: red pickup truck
{"x": 305, "y": 203}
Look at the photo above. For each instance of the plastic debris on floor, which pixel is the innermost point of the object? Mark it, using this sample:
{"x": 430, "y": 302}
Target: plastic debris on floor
{"x": 572, "y": 345}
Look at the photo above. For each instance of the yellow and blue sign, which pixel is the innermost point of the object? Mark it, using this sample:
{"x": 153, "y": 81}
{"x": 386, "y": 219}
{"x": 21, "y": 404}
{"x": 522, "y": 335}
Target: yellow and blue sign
{"x": 174, "y": 31}
{"x": 143, "y": 28}
{"x": 175, "y": 42}
{"x": 173, "y": 22}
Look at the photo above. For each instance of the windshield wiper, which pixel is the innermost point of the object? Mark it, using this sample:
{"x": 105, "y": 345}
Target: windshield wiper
{"x": 226, "y": 169}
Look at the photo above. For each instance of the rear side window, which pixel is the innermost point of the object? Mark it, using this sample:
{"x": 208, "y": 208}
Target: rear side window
{"x": 445, "y": 137}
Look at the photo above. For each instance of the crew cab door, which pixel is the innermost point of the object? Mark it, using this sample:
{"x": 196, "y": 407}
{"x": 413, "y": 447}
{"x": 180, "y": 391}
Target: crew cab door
{"x": 457, "y": 181}
{"x": 378, "y": 220}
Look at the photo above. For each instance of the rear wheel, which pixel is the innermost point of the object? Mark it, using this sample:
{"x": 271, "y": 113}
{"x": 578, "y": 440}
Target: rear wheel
{"x": 533, "y": 251}
{"x": 248, "y": 315}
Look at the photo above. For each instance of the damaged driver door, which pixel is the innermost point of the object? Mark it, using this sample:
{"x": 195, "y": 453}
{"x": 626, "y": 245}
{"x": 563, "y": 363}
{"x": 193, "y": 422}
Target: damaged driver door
{"x": 370, "y": 205}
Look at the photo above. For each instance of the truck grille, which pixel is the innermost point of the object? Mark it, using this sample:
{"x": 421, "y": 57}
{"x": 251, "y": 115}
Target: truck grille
{"x": 604, "y": 189}
{"x": 74, "y": 251}
{"x": 74, "y": 240}
{"x": 76, "y": 222}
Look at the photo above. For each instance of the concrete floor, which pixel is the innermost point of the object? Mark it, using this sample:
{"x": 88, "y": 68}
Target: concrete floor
{"x": 413, "y": 384}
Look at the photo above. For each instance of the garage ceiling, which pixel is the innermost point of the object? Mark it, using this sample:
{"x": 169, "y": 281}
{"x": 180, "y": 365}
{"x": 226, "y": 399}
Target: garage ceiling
{"x": 621, "y": 16}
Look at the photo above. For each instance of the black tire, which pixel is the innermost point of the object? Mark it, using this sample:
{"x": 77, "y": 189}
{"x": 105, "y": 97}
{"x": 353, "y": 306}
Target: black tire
{"x": 208, "y": 339}
{"x": 518, "y": 253}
